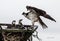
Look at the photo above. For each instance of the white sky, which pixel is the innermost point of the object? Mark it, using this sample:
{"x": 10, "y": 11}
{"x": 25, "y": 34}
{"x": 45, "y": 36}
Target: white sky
{"x": 12, "y": 10}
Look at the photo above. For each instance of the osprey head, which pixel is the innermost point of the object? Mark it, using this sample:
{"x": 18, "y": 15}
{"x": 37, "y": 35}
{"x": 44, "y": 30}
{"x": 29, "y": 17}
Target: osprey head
{"x": 31, "y": 9}
{"x": 13, "y": 22}
{"x": 28, "y": 8}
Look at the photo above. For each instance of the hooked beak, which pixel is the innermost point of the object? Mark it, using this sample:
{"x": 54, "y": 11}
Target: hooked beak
{"x": 23, "y": 13}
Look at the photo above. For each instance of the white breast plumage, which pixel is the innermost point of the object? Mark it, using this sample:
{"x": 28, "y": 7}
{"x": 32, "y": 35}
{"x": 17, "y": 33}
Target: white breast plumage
{"x": 32, "y": 16}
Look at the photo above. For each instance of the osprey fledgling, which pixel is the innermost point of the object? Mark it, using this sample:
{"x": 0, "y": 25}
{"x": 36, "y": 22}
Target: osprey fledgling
{"x": 20, "y": 23}
{"x": 13, "y": 23}
{"x": 34, "y": 14}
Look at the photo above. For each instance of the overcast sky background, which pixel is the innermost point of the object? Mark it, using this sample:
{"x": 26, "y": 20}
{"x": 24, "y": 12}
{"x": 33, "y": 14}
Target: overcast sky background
{"x": 12, "y": 10}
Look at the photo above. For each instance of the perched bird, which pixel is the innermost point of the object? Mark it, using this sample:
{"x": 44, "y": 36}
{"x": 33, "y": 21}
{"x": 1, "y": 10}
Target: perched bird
{"x": 20, "y": 23}
{"x": 13, "y": 23}
{"x": 34, "y": 14}
{"x": 39, "y": 12}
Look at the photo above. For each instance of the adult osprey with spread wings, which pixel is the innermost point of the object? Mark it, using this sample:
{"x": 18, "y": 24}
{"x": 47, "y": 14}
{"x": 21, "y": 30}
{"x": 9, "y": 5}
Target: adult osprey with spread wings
{"x": 34, "y": 14}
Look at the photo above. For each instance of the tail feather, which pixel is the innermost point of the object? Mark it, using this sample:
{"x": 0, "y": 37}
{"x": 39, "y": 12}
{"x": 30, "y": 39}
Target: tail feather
{"x": 42, "y": 23}
{"x": 49, "y": 17}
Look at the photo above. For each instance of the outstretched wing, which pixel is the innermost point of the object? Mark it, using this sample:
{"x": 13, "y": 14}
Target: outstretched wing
{"x": 39, "y": 12}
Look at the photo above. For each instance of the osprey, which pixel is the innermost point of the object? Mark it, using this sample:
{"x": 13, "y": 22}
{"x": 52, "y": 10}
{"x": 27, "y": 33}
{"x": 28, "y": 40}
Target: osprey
{"x": 20, "y": 23}
{"x": 13, "y": 24}
{"x": 40, "y": 12}
{"x": 34, "y": 14}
